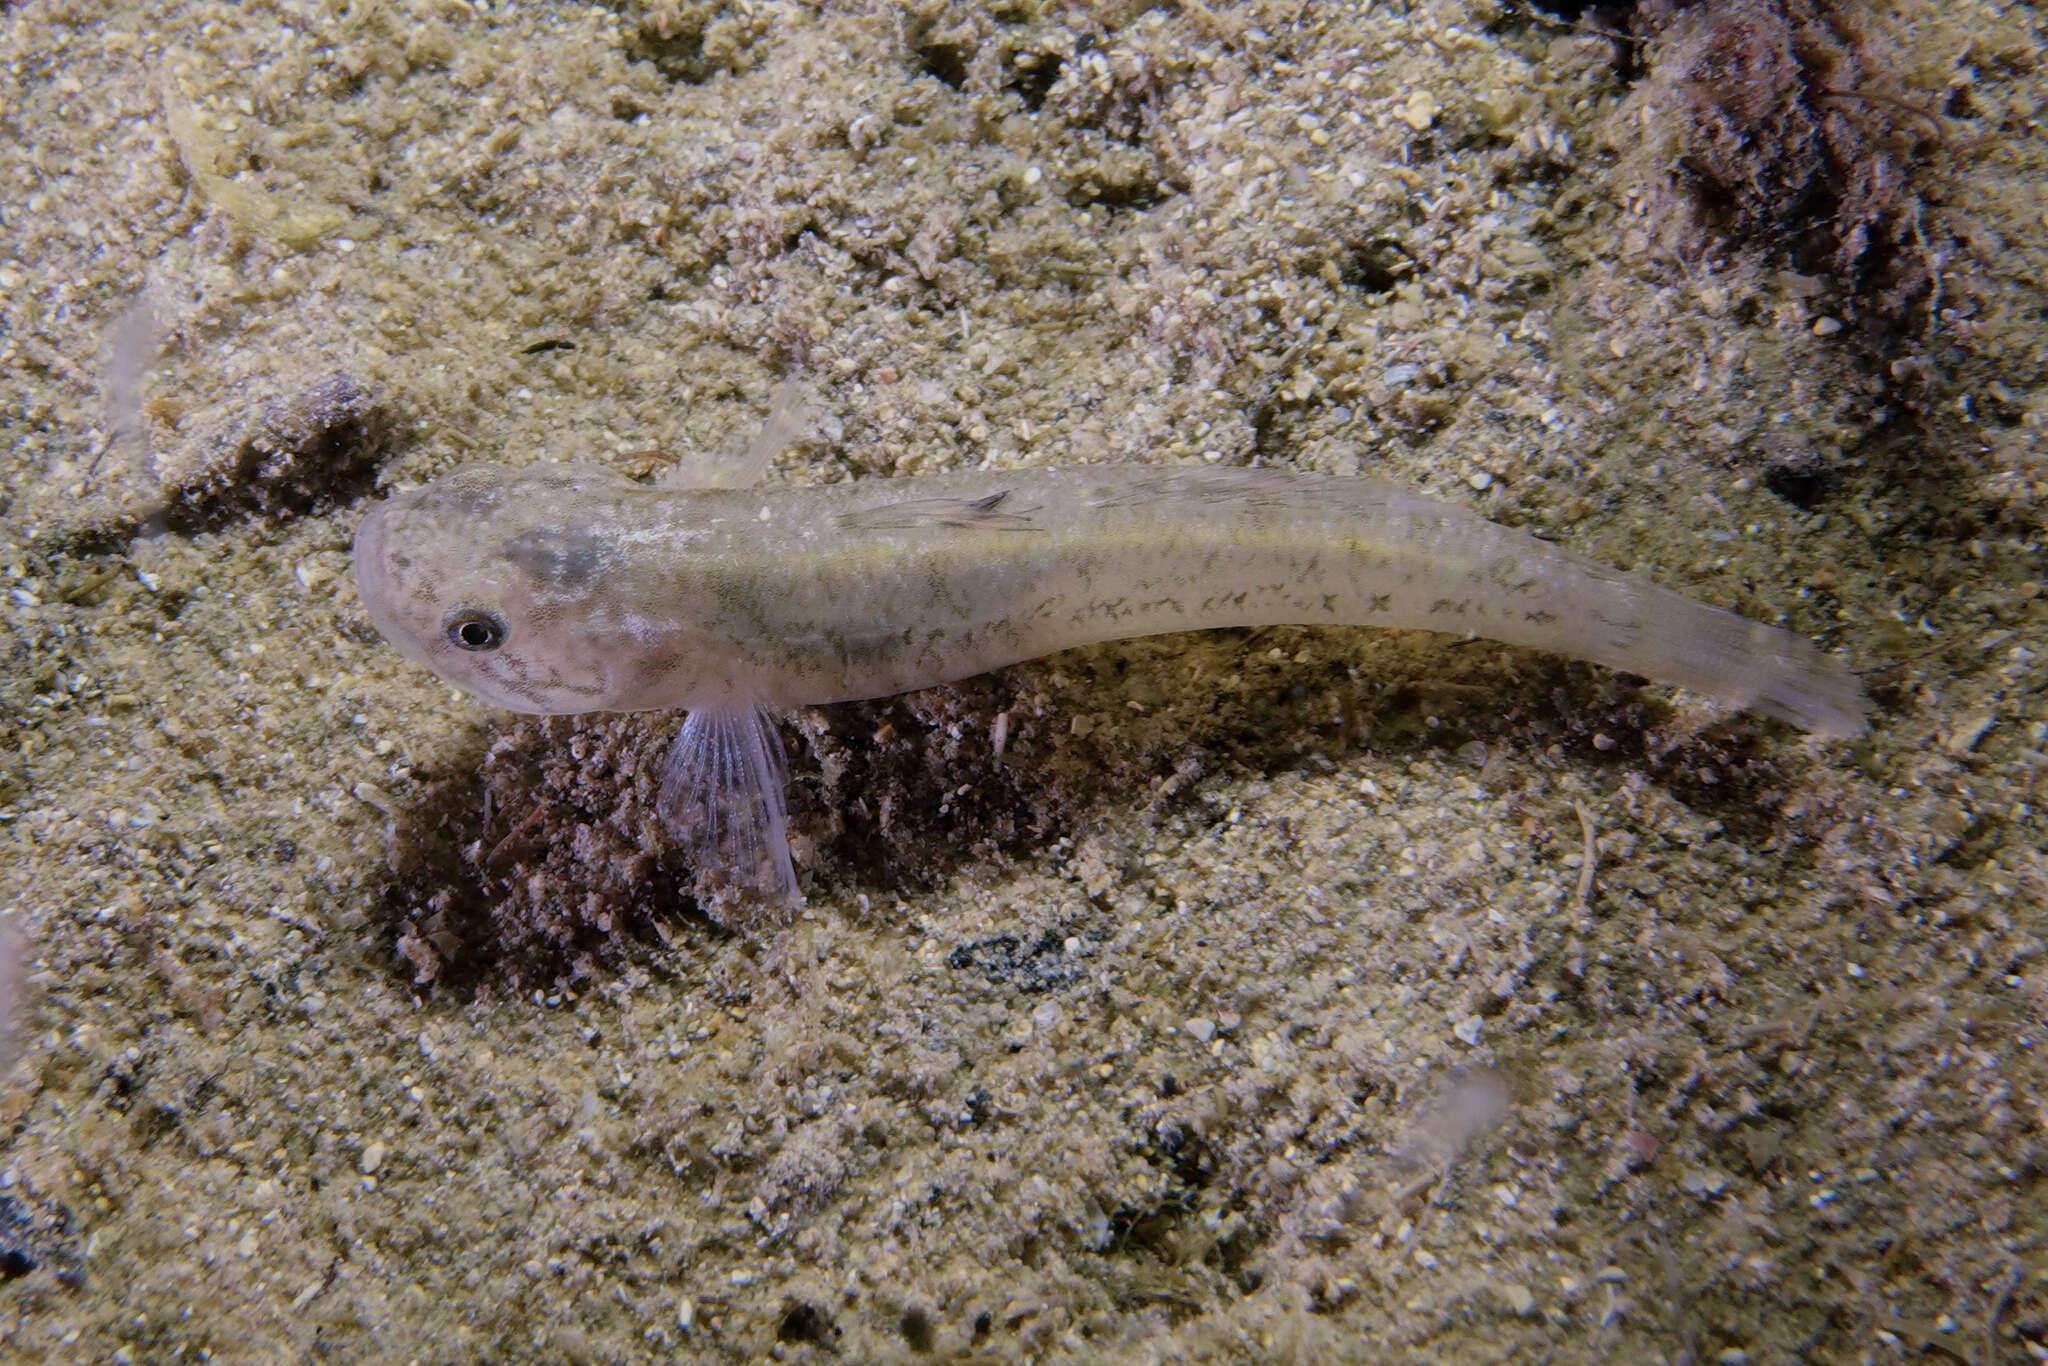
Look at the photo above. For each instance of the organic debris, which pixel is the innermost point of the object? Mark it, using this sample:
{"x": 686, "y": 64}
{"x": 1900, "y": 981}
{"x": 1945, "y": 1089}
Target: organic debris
{"x": 1787, "y": 125}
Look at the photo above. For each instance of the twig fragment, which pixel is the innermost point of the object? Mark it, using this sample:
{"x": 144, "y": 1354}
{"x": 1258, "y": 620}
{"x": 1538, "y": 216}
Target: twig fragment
{"x": 1587, "y": 855}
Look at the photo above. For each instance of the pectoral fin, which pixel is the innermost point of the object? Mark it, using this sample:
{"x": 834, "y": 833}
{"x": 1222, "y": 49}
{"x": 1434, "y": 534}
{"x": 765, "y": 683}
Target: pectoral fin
{"x": 722, "y": 798}
{"x": 792, "y": 414}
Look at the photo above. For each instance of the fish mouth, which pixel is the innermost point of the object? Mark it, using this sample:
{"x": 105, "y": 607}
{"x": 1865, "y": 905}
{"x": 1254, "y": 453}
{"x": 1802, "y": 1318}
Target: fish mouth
{"x": 377, "y": 586}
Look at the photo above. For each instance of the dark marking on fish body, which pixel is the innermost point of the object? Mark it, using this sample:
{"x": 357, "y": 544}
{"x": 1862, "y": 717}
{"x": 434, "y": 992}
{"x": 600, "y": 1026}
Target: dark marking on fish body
{"x": 559, "y": 559}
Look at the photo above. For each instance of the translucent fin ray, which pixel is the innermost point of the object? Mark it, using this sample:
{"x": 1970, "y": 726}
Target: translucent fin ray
{"x": 722, "y": 798}
{"x": 792, "y": 413}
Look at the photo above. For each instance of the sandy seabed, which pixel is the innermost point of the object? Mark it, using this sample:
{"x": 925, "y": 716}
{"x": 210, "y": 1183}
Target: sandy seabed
{"x": 1294, "y": 996}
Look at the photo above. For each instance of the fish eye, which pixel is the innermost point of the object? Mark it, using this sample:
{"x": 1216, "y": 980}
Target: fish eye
{"x": 476, "y": 630}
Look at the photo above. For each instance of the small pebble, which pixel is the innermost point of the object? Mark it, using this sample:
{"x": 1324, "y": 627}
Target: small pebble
{"x": 1420, "y": 111}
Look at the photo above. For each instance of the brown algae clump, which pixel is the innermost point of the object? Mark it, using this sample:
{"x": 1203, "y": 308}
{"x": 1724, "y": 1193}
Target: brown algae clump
{"x": 1784, "y": 124}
